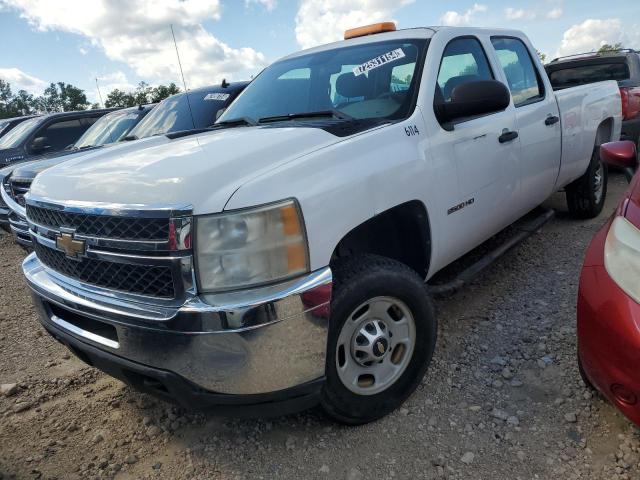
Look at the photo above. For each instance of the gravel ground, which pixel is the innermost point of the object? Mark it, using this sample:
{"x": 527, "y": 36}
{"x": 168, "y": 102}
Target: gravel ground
{"x": 502, "y": 399}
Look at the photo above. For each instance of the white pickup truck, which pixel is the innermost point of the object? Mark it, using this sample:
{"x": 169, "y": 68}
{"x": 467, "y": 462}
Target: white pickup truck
{"x": 280, "y": 261}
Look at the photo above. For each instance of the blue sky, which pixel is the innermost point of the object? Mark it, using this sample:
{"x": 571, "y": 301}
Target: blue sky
{"x": 123, "y": 42}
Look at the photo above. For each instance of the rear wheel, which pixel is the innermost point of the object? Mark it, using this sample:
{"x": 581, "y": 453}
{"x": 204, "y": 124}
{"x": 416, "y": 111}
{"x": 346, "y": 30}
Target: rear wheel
{"x": 587, "y": 194}
{"x": 381, "y": 338}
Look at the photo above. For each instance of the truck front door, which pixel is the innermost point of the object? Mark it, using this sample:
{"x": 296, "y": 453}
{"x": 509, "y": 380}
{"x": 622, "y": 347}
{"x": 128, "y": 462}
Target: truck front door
{"x": 537, "y": 120}
{"x": 475, "y": 160}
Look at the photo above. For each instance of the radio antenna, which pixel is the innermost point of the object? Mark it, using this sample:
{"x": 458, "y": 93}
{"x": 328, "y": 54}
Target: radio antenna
{"x": 99, "y": 94}
{"x": 186, "y": 92}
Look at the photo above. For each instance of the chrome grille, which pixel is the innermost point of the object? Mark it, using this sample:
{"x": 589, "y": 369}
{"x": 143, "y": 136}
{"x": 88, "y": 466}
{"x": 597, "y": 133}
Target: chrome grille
{"x": 18, "y": 188}
{"x": 150, "y": 280}
{"x": 104, "y": 226}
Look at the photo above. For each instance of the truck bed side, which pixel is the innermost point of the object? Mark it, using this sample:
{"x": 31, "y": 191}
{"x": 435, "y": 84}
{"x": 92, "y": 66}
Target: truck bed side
{"x": 590, "y": 115}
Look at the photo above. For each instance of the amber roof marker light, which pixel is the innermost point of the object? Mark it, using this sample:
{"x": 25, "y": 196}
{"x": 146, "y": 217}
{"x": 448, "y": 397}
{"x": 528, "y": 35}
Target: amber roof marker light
{"x": 370, "y": 30}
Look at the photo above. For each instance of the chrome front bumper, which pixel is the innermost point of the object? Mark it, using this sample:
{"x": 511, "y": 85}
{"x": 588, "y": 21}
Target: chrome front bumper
{"x": 242, "y": 343}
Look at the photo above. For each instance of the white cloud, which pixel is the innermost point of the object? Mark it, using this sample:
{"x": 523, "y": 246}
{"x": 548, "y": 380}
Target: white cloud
{"x": 268, "y": 4}
{"x": 324, "y": 21}
{"x": 519, "y": 14}
{"x": 20, "y": 80}
{"x": 591, "y": 35}
{"x": 137, "y": 33}
{"x": 456, "y": 19}
{"x": 555, "y": 13}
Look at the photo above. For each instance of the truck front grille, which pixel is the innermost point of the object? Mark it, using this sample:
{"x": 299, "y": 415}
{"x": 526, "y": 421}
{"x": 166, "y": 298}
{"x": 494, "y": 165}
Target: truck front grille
{"x": 18, "y": 188}
{"x": 150, "y": 280}
{"x": 103, "y": 226}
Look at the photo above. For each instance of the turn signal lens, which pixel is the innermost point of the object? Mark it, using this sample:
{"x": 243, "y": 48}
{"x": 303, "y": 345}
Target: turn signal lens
{"x": 370, "y": 30}
{"x": 622, "y": 256}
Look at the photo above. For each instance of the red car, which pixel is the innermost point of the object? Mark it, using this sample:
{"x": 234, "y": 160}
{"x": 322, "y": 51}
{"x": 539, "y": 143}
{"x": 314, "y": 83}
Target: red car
{"x": 609, "y": 296}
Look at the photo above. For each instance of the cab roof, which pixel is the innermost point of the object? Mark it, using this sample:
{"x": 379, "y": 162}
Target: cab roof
{"x": 417, "y": 32}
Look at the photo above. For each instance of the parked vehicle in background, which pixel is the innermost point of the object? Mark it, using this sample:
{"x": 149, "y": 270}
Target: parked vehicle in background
{"x": 185, "y": 112}
{"x": 17, "y": 179}
{"x": 172, "y": 115}
{"x": 609, "y": 295}
{"x": 46, "y": 134}
{"x": 344, "y": 176}
{"x": 7, "y": 124}
{"x": 623, "y": 66}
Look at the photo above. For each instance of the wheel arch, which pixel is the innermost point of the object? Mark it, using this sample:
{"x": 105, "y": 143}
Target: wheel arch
{"x": 604, "y": 132}
{"x": 402, "y": 232}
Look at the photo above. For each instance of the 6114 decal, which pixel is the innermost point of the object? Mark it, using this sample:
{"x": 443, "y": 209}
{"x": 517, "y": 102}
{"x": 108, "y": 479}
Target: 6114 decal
{"x": 411, "y": 130}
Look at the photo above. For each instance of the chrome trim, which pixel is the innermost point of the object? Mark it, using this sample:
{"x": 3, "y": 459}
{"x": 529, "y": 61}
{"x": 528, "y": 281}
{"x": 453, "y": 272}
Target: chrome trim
{"x": 256, "y": 341}
{"x": 112, "y": 209}
{"x": 11, "y": 203}
{"x": 84, "y": 333}
{"x": 176, "y": 250}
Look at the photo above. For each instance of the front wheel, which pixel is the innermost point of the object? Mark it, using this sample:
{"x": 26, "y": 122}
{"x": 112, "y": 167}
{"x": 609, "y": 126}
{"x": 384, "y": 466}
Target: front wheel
{"x": 381, "y": 338}
{"x": 586, "y": 195}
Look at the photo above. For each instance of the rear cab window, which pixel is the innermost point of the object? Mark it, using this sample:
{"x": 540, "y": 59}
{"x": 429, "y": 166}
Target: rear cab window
{"x": 573, "y": 74}
{"x": 523, "y": 78}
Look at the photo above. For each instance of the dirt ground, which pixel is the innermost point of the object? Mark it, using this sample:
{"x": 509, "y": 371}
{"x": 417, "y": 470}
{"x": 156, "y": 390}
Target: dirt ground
{"x": 502, "y": 400}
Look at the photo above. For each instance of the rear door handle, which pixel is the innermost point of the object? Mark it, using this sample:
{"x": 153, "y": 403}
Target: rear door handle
{"x": 507, "y": 136}
{"x": 551, "y": 120}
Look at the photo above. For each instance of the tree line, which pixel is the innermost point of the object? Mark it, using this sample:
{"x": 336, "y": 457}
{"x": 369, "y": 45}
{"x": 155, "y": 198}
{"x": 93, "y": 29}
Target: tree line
{"x": 64, "y": 97}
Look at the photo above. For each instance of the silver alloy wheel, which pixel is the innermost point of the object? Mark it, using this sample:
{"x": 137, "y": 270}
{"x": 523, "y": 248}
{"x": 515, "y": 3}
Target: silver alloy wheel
{"x": 598, "y": 180}
{"x": 375, "y": 345}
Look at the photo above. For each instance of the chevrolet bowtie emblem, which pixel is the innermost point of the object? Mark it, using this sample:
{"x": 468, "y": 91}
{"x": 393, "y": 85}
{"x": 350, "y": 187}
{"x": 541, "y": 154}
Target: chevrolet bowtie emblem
{"x": 70, "y": 246}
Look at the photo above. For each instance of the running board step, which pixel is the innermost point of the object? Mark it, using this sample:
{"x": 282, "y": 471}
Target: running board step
{"x": 522, "y": 231}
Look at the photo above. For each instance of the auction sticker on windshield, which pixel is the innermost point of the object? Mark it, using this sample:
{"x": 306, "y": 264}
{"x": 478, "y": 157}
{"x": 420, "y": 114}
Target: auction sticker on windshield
{"x": 216, "y": 96}
{"x": 379, "y": 61}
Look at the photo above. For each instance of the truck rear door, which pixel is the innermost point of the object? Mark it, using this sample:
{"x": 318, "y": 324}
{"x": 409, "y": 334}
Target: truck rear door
{"x": 537, "y": 120}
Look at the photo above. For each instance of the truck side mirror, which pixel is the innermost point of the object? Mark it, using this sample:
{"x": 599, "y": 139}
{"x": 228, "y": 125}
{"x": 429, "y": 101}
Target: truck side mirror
{"x": 40, "y": 144}
{"x": 470, "y": 99}
{"x": 620, "y": 154}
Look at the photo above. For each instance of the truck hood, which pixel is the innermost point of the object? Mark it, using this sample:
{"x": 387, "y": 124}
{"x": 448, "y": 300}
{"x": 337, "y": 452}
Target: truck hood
{"x": 201, "y": 171}
{"x": 28, "y": 170}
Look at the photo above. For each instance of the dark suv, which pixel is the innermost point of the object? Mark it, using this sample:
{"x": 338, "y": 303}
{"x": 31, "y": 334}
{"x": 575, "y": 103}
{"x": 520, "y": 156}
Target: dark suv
{"x": 46, "y": 134}
{"x": 622, "y": 66}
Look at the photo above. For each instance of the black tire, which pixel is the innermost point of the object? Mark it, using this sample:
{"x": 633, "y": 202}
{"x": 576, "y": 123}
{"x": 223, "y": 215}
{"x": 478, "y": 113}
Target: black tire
{"x": 356, "y": 280}
{"x": 582, "y": 194}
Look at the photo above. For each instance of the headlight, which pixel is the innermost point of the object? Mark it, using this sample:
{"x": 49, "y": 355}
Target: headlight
{"x": 250, "y": 247}
{"x": 622, "y": 256}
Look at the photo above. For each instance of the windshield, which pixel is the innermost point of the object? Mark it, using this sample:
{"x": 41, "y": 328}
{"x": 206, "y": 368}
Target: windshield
{"x": 108, "y": 129}
{"x": 18, "y": 134}
{"x": 173, "y": 115}
{"x": 372, "y": 81}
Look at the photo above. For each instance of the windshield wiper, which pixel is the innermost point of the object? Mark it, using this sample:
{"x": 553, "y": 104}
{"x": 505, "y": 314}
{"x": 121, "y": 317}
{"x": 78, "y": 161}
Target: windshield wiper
{"x": 235, "y": 122}
{"x": 128, "y": 138}
{"x": 319, "y": 114}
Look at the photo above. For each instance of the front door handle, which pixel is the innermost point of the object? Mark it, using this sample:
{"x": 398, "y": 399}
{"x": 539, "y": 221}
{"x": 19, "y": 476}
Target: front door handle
{"x": 507, "y": 136}
{"x": 551, "y": 120}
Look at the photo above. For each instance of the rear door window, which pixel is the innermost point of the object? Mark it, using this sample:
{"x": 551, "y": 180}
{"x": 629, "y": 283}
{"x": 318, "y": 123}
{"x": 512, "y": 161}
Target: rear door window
{"x": 523, "y": 78}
